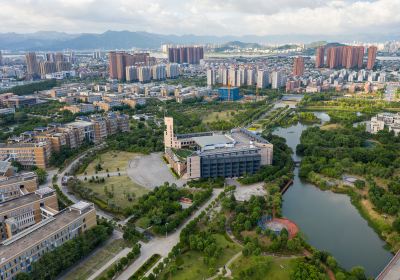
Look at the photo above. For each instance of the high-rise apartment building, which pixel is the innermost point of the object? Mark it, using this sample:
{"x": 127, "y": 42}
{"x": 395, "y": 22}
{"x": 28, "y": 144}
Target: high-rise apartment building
{"x": 251, "y": 77}
{"x": 63, "y": 66}
{"x": 131, "y": 73}
{"x": 262, "y": 79}
{"x": 158, "y": 72}
{"x": 1, "y": 59}
{"x": 320, "y": 56}
{"x": 298, "y": 66}
{"x": 172, "y": 70}
{"x": 241, "y": 77}
{"x": 232, "y": 77}
{"x": 211, "y": 77}
{"x": 278, "y": 79}
{"x": 112, "y": 65}
{"x": 191, "y": 55}
{"x": 47, "y": 67}
{"x": 32, "y": 65}
{"x": 371, "y": 57}
{"x": 144, "y": 74}
{"x": 345, "y": 56}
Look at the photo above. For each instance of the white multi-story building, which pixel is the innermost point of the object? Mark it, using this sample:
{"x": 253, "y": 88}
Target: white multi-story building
{"x": 158, "y": 72}
{"x": 172, "y": 70}
{"x": 278, "y": 80}
{"x": 262, "y": 79}
{"x": 144, "y": 74}
{"x": 241, "y": 77}
{"x": 131, "y": 73}
{"x": 211, "y": 77}
{"x": 251, "y": 77}
{"x": 233, "y": 77}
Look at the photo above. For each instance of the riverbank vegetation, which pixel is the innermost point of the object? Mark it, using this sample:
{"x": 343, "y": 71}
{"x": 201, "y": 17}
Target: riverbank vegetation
{"x": 373, "y": 163}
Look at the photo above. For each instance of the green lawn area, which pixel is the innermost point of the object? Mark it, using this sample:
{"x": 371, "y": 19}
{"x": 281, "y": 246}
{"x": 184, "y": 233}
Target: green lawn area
{"x": 192, "y": 267}
{"x": 219, "y": 116}
{"x": 280, "y": 268}
{"x": 110, "y": 160}
{"x": 98, "y": 260}
{"x": 183, "y": 153}
{"x": 121, "y": 186}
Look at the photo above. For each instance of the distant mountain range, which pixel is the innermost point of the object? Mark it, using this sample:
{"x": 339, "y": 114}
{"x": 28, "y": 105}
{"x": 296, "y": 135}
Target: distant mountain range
{"x": 52, "y": 41}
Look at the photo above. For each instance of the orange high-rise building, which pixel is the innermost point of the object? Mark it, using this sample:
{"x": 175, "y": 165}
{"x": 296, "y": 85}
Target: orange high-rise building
{"x": 298, "y": 66}
{"x": 320, "y": 55}
{"x": 371, "y": 57}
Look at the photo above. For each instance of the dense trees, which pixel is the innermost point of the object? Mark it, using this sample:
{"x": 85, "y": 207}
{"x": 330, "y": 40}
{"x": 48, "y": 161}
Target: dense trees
{"x": 143, "y": 138}
{"x": 32, "y": 87}
{"x": 52, "y": 263}
{"x": 332, "y": 152}
{"x": 282, "y": 164}
{"x": 162, "y": 209}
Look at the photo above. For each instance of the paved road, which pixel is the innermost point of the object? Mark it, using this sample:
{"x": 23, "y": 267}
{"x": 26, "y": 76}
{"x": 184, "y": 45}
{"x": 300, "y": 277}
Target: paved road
{"x": 392, "y": 270}
{"x": 101, "y": 175}
{"x": 162, "y": 245}
{"x": 151, "y": 171}
{"x": 70, "y": 195}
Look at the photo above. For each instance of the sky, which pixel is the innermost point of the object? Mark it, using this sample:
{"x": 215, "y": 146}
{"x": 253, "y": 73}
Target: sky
{"x": 203, "y": 17}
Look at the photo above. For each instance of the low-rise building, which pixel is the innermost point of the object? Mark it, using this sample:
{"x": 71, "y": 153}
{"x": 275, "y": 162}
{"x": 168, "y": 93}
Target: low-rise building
{"x": 28, "y": 154}
{"x": 17, "y": 185}
{"x": 19, "y": 252}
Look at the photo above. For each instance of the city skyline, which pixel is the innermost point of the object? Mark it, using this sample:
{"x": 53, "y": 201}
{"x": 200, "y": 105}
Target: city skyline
{"x": 203, "y": 17}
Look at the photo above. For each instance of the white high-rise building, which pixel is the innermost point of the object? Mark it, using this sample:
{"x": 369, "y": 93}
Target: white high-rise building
{"x": 158, "y": 72}
{"x": 262, "y": 79}
{"x": 232, "y": 77}
{"x": 211, "y": 77}
{"x": 172, "y": 70}
{"x": 241, "y": 77}
{"x": 144, "y": 74}
{"x": 251, "y": 77}
{"x": 278, "y": 79}
{"x": 131, "y": 73}
{"x": 223, "y": 76}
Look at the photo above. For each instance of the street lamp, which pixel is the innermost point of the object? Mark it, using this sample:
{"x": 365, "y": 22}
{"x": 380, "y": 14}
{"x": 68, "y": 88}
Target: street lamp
{"x": 166, "y": 231}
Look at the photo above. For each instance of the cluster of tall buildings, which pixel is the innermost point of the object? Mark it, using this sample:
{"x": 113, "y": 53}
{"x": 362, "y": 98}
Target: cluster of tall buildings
{"x": 245, "y": 76}
{"x": 119, "y": 61}
{"x": 52, "y": 63}
{"x": 345, "y": 56}
{"x": 156, "y": 72}
{"x": 190, "y": 55}
{"x": 34, "y": 148}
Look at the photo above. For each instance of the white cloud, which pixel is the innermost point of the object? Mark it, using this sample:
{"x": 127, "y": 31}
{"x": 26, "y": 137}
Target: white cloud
{"x": 203, "y": 17}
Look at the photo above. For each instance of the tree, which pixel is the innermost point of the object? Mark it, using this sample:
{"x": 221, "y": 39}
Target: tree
{"x": 42, "y": 175}
{"x": 331, "y": 262}
{"x": 358, "y": 272}
{"x": 396, "y": 224}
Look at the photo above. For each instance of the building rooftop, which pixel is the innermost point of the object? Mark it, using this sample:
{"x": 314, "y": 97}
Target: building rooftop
{"x": 21, "y": 201}
{"x": 31, "y": 236}
{"x": 17, "y": 178}
{"x": 4, "y": 166}
{"x": 216, "y": 140}
{"x": 80, "y": 124}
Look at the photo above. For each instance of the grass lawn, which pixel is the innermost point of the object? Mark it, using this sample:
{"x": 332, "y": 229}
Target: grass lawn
{"x": 330, "y": 126}
{"x": 192, "y": 267}
{"x": 122, "y": 185}
{"x": 95, "y": 262}
{"x": 280, "y": 268}
{"x": 219, "y": 116}
{"x": 110, "y": 160}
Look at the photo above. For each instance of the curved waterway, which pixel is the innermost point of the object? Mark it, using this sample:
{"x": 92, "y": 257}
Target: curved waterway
{"x": 328, "y": 220}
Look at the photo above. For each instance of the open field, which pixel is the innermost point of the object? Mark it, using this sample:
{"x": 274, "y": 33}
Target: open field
{"x": 95, "y": 262}
{"x": 219, "y": 116}
{"x": 120, "y": 186}
{"x": 111, "y": 160}
{"x": 331, "y": 126}
{"x": 191, "y": 266}
{"x": 280, "y": 268}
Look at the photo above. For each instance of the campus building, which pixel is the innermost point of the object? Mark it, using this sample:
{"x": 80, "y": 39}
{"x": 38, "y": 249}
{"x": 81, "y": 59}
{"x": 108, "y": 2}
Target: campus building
{"x": 211, "y": 154}
{"x": 18, "y": 252}
{"x": 24, "y": 211}
{"x": 16, "y": 185}
{"x": 28, "y": 154}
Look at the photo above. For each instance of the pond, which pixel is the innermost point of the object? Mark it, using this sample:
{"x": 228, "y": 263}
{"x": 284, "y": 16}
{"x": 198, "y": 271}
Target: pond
{"x": 328, "y": 220}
